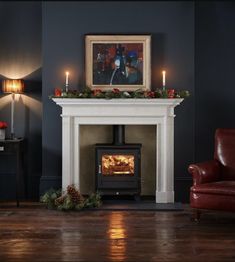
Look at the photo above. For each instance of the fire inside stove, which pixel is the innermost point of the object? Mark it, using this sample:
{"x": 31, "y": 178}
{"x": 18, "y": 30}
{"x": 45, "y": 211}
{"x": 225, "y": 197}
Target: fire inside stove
{"x": 117, "y": 165}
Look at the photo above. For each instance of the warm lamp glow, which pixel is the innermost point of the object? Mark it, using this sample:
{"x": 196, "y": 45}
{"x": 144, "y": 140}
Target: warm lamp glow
{"x": 13, "y": 86}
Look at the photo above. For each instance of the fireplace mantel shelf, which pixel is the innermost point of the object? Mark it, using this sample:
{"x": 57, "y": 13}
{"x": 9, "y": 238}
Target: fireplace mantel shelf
{"x": 159, "y": 112}
{"x": 117, "y": 107}
{"x": 118, "y": 101}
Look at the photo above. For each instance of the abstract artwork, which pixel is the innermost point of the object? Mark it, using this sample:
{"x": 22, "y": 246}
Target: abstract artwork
{"x": 118, "y": 61}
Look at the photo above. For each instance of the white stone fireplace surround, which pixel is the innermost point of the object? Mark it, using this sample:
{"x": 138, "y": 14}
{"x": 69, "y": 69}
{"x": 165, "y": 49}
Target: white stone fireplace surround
{"x": 159, "y": 112}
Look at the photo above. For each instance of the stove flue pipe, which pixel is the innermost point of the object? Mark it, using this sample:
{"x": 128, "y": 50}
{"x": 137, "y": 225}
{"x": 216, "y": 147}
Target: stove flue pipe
{"x": 118, "y": 134}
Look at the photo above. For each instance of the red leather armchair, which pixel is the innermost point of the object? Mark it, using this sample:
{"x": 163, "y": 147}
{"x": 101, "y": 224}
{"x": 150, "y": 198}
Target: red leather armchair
{"x": 214, "y": 181}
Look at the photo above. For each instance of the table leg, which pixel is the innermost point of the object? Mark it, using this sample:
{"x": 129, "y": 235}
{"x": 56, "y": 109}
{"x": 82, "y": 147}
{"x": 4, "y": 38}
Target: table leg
{"x": 18, "y": 160}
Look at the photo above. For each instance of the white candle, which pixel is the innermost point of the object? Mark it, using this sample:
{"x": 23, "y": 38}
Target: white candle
{"x": 164, "y": 78}
{"x": 67, "y": 78}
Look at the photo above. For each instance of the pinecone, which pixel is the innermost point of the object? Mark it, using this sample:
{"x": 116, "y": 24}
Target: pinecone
{"x": 71, "y": 189}
{"x": 59, "y": 200}
{"x": 76, "y": 197}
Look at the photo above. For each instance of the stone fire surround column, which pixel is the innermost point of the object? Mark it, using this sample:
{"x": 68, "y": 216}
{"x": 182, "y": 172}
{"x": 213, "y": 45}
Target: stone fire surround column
{"x": 159, "y": 112}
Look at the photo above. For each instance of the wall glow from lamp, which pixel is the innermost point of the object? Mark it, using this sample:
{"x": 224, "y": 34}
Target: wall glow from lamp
{"x": 13, "y": 86}
{"x": 34, "y": 105}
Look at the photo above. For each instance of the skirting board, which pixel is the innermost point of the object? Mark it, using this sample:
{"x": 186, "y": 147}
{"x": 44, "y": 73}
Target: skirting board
{"x": 48, "y": 182}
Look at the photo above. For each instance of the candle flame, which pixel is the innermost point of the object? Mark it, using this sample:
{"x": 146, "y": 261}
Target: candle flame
{"x": 67, "y": 73}
{"x": 163, "y": 79}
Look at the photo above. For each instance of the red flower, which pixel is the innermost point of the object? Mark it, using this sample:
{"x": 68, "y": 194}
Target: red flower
{"x": 150, "y": 94}
{"x": 116, "y": 91}
{"x": 3, "y": 125}
{"x": 58, "y": 91}
{"x": 170, "y": 93}
{"x": 97, "y": 92}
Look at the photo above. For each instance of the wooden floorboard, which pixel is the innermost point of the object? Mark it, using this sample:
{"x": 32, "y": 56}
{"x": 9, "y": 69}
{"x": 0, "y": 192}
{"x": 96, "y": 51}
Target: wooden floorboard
{"x": 32, "y": 233}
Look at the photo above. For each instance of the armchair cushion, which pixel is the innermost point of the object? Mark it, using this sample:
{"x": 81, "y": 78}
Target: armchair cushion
{"x": 212, "y": 201}
{"x": 218, "y": 188}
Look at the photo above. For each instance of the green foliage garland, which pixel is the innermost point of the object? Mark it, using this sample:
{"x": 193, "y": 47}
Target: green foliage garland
{"x": 49, "y": 198}
{"x": 116, "y": 93}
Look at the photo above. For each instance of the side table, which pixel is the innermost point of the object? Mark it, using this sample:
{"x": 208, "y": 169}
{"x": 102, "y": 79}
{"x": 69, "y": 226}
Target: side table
{"x": 14, "y": 147}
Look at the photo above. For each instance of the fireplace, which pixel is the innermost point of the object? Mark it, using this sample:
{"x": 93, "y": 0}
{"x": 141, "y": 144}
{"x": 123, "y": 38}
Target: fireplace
{"x": 118, "y": 166}
{"x": 159, "y": 112}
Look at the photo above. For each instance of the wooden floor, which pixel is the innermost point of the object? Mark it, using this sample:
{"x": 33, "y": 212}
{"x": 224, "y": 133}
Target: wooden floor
{"x": 32, "y": 233}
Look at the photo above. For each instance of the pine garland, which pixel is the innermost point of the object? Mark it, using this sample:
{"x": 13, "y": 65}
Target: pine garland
{"x": 50, "y": 197}
{"x": 116, "y": 93}
{"x": 72, "y": 199}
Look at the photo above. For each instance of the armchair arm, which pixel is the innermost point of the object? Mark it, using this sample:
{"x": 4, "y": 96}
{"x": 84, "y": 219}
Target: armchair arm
{"x": 205, "y": 172}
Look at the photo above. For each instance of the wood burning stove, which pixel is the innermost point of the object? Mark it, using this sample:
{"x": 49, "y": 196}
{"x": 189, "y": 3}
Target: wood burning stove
{"x": 118, "y": 165}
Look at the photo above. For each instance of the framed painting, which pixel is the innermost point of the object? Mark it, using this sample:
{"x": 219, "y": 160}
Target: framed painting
{"x": 118, "y": 61}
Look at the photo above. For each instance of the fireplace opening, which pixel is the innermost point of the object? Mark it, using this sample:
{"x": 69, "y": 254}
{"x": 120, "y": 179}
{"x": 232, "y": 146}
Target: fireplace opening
{"x": 118, "y": 166}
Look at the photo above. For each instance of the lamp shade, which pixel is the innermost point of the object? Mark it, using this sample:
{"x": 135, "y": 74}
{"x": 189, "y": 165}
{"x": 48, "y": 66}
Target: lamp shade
{"x": 13, "y": 86}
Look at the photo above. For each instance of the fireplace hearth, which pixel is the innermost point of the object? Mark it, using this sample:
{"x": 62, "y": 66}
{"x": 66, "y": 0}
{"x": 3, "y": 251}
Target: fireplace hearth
{"x": 118, "y": 166}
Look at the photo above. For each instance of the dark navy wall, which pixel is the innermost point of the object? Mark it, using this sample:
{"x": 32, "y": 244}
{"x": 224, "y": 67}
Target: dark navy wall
{"x": 20, "y": 57}
{"x": 172, "y": 27}
{"x": 215, "y": 68}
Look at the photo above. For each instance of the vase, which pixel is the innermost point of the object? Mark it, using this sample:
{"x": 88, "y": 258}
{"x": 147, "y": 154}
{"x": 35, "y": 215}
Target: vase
{"x": 2, "y": 134}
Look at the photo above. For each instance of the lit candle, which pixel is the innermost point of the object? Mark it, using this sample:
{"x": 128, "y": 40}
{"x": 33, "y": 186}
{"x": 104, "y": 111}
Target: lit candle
{"x": 67, "y": 79}
{"x": 164, "y": 78}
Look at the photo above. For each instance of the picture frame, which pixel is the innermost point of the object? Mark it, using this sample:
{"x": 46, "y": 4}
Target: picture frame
{"x": 118, "y": 61}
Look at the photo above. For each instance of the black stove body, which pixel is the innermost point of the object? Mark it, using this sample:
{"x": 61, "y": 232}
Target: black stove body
{"x": 118, "y": 166}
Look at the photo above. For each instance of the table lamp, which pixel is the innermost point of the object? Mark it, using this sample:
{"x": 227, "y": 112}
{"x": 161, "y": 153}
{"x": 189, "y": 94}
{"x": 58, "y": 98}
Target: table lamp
{"x": 13, "y": 86}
